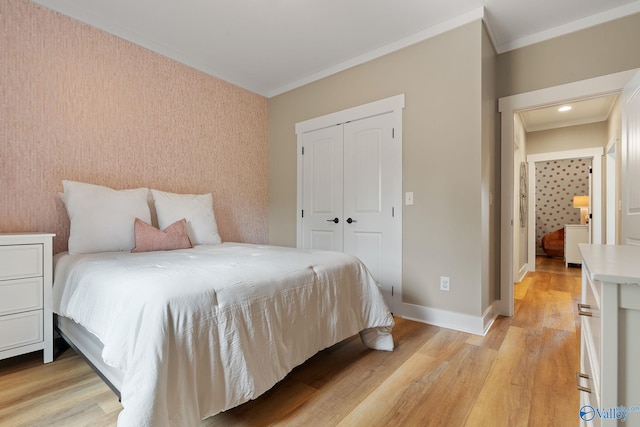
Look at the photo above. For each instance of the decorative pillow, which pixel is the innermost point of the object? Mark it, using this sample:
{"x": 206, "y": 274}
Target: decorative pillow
{"x": 102, "y": 218}
{"x": 197, "y": 209}
{"x": 149, "y": 238}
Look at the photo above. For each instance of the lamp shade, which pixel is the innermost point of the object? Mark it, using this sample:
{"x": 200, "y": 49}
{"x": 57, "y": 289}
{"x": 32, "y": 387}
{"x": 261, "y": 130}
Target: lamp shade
{"x": 580, "y": 201}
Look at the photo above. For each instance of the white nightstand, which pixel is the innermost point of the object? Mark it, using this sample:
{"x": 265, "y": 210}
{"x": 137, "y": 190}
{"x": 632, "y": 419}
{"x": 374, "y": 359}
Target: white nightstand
{"x": 26, "y": 319}
{"x": 574, "y": 234}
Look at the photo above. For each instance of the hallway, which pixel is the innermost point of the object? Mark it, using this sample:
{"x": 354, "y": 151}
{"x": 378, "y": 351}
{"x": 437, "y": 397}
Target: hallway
{"x": 532, "y": 381}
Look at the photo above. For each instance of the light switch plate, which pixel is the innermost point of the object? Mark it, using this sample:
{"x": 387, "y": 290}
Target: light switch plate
{"x": 408, "y": 198}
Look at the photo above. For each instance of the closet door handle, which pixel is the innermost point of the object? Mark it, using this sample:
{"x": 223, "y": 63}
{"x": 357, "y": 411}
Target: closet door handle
{"x": 582, "y": 311}
{"x": 336, "y": 220}
{"x": 349, "y": 220}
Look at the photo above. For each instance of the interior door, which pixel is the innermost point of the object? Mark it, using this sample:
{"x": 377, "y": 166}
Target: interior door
{"x": 352, "y": 195}
{"x": 631, "y": 162}
{"x": 372, "y": 193}
{"x": 322, "y": 202}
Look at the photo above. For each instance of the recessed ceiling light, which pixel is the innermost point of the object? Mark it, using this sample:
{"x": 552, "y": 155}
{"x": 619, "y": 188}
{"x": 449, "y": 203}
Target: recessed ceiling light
{"x": 565, "y": 108}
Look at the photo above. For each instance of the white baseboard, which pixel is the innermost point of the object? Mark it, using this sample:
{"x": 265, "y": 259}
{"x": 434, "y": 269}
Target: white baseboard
{"x": 477, "y": 325}
{"x": 522, "y": 272}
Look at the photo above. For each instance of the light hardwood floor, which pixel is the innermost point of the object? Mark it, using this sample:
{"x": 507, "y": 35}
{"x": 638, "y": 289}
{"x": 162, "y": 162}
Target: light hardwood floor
{"x": 522, "y": 373}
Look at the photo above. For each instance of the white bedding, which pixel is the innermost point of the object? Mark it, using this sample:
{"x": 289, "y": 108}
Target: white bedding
{"x": 198, "y": 331}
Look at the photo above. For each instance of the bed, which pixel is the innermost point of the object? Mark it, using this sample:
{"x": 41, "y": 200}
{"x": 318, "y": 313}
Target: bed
{"x": 187, "y": 333}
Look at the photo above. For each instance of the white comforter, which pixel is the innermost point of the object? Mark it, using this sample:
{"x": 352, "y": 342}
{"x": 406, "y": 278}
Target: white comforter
{"x": 199, "y": 331}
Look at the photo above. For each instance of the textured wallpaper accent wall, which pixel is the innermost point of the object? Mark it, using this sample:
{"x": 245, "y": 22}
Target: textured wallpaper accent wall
{"x": 77, "y": 103}
{"x": 557, "y": 181}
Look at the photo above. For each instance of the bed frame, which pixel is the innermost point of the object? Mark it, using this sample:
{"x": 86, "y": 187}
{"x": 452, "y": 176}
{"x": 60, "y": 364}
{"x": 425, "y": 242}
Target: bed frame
{"x": 89, "y": 347}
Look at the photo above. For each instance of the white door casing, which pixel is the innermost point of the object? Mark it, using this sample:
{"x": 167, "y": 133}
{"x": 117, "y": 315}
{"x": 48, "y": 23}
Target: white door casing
{"x": 595, "y": 203}
{"x": 611, "y": 192}
{"x": 631, "y": 162}
{"x": 595, "y": 233}
{"x": 372, "y": 188}
{"x": 507, "y": 106}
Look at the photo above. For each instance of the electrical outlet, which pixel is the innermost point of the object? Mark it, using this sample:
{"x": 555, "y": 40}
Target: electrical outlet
{"x": 444, "y": 283}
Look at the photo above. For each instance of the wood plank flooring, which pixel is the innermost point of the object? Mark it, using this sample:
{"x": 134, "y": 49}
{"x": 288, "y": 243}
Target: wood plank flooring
{"x": 522, "y": 373}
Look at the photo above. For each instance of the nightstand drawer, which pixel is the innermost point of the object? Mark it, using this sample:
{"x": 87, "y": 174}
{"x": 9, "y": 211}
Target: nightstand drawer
{"x": 26, "y": 319}
{"x": 21, "y": 329}
{"x": 17, "y": 296}
{"x": 20, "y": 261}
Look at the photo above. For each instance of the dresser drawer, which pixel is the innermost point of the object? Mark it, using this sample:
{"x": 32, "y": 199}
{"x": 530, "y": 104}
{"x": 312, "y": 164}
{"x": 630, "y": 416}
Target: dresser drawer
{"x": 592, "y": 298}
{"x": 20, "y": 295}
{"x": 19, "y": 261}
{"x": 21, "y": 329}
{"x": 589, "y": 367}
{"x": 591, "y": 323}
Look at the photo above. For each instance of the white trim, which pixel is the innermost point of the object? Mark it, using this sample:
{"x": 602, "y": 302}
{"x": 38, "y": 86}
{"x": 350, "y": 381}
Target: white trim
{"x": 609, "y": 84}
{"x": 375, "y": 108}
{"x": 569, "y": 154}
{"x": 436, "y": 30}
{"x": 580, "y": 24}
{"x": 523, "y": 272}
{"x": 394, "y": 105}
{"x": 611, "y": 144}
{"x": 477, "y": 325}
{"x": 611, "y": 192}
{"x": 86, "y": 15}
{"x": 595, "y": 154}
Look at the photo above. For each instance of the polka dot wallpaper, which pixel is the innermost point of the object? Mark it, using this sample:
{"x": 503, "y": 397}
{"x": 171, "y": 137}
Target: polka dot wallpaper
{"x": 557, "y": 181}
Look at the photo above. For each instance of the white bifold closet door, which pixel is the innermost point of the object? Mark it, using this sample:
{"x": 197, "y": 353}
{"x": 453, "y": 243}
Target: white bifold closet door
{"x": 352, "y": 176}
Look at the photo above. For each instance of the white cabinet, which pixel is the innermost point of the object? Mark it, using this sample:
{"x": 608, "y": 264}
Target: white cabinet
{"x": 609, "y": 380}
{"x": 573, "y": 235}
{"x": 26, "y": 319}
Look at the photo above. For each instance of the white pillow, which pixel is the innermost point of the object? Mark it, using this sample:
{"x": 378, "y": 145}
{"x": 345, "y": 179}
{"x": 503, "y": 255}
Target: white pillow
{"x": 196, "y": 208}
{"x": 102, "y": 218}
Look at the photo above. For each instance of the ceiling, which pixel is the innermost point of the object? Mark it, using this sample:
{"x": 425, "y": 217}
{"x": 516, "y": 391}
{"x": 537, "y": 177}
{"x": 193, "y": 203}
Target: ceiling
{"x": 271, "y": 46}
{"x": 582, "y": 112}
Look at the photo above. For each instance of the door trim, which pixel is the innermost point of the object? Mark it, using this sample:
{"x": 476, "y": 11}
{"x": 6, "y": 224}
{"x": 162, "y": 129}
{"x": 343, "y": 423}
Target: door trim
{"x": 595, "y": 155}
{"x": 629, "y": 194}
{"x": 375, "y": 108}
{"x": 611, "y": 193}
{"x": 394, "y": 105}
{"x": 507, "y": 106}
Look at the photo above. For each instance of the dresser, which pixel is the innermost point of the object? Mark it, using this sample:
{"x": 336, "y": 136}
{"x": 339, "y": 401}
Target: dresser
{"x": 26, "y": 319}
{"x": 573, "y": 235}
{"x": 609, "y": 377}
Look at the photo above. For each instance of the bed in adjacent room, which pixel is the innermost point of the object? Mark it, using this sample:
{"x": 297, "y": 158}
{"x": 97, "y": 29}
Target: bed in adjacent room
{"x": 182, "y": 334}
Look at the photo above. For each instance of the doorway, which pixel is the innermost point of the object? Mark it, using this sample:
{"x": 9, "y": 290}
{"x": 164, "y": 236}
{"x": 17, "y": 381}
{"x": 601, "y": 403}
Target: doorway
{"x": 508, "y": 106}
{"x": 595, "y": 193}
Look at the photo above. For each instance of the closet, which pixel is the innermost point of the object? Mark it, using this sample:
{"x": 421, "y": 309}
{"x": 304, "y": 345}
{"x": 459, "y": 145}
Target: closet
{"x": 350, "y": 192}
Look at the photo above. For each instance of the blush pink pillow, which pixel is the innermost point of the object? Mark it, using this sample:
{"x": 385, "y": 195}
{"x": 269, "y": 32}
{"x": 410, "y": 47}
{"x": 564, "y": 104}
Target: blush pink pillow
{"x": 148, "y": 238}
